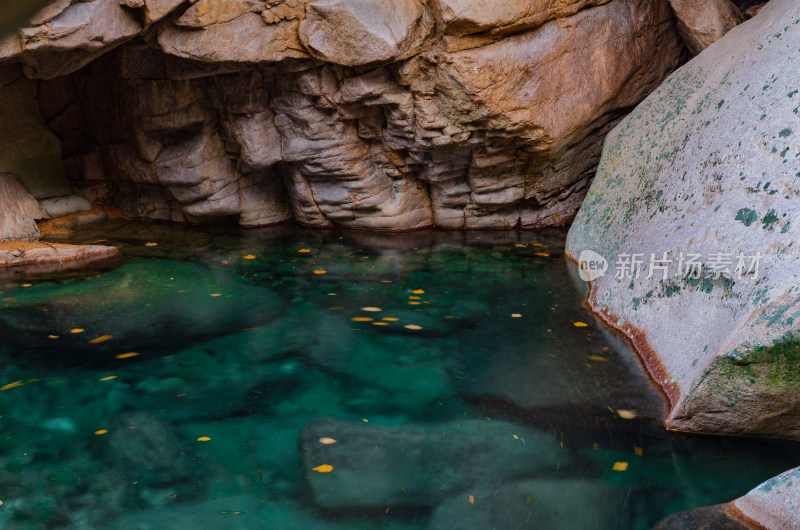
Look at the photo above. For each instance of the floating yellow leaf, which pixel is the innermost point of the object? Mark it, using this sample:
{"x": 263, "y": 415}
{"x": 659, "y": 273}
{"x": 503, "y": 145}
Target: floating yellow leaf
{"x": 52, "y": 336}
{"x": 626, "y": 414}
{"x": 620, "y": 466}
{"x": 77, "y": 330}
{"x": 361, "y": 319}
{"x": 637, "y": 450}
{"x": 537, "y": 244}
{"x": 414, "y": 303}
{"x": 597, "y": 358}
{"x": 372, "y": 309}
{"x": 520, "y": 245}
{"x": 365, "y": 420}
{"x": 320, "y": 271}
{"x": 414, "y": 298}
{"x": 418, "y": 291}
{"x": 472, "y": 499}
{"x": 304, "y": 251}
{"x": 516, "y": 315}
{"x": 542, "y": 254}
{"x": 11, "y": 385}
{"x": 327, "y": 441}
{"x": 101, "y": 431}
{"x": 216, "y": 295}
{"x": 109, "y": 378}
{"x": 204, "y": 439}
{"x": 127, "y": 355}
{"x": 100, "y": 339}
{"x": 150, "y": 244}
{"x": 516, "y": 437}
{"x": 412, "y": 326}
{"x": 380, "y": 324}
{"x": 580, "y": 324}
{"x": 325, "y": 468}
{"x": 249, "y": 256}
{"x": 390, "y": 319}
{"x": 27, "y": 285}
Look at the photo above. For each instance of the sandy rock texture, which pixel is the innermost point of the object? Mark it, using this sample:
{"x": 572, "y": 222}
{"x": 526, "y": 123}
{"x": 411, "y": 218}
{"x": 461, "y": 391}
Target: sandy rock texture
{"x": 382, "y": 115}
{"x": 706, "y": 169}
{"x": 703, "y": 22}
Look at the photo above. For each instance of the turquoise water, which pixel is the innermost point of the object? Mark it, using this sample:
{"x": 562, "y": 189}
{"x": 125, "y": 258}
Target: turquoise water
{"x": 283, "y": 378}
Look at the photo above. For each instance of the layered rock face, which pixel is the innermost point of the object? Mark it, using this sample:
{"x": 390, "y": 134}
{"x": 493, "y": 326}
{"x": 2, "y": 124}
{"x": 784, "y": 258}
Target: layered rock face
{"x": 381, "y": 114}
{"x": 705, "y": 172}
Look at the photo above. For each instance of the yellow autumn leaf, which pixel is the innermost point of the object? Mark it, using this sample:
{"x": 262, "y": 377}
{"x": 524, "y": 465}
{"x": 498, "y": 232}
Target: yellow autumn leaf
{"x": 472, "y": 499}
{"x": 380, "y": 324}
{"x": 361, "y": 319}
{"x": 620, "y": 466}
{"x": 418, "y": 291}
{"x": 372, "y": 309}
{"x": 327, "y": 441}
{"x": 412, "y": 327}
{"x": 77, "y": 330}
{"x": 127, "y": 355}
{"x": 150, "y": 244}
{"x": 597, "y": 358}
{"x": 390, "y": 319}
{"x": 320, "y": 271}
{"x": 304, "y": 251}
{"x": 27, "y": 285}
{"x": 414, "y": 298}
{"x": 109, "y": 378}
{"x": 11, "y": 385}
{"x": 580, "y": 324}
{"x": 325, "y": 468}
{"x": 101, "y": 432}
{"x": 637, "y": 450}
{"x": 101, "y": 338}
{"x": 52, "y": 336}
{"x": 542, "y": 254}
{"x": 215, "y": 295}
{"x": 414, "y": 303}
{"x": 249, "y": 256}
{"x": 516, "y": 315}
{"x": 204, "y": 439}
{"x": 626, "y": 414}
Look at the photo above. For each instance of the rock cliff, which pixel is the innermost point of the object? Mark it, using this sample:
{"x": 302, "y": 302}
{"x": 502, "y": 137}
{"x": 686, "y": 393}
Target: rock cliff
{"x": 379, "y": 114}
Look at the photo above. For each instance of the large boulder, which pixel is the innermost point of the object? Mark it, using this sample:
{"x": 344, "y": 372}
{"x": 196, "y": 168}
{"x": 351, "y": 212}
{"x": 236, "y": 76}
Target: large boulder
{"x": 706, "y": 168}
{"x": 18, "y": 210}
{"x": 773, "y": 504}
{"x": 703, "y": 22}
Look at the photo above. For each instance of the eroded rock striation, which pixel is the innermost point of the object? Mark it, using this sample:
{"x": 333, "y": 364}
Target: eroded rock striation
{"x": 383, "y": 115}
{"x": 705, "y": 172}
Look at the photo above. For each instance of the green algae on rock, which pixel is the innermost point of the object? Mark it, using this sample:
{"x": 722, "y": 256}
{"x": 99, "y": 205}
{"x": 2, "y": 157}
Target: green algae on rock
{"x": 706, "y": 165}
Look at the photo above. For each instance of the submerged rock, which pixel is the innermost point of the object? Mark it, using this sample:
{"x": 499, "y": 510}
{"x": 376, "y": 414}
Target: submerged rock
{"x": 706, "y": 168}
{"x": 375, "y": 466}
{"x": 537, "y": 504}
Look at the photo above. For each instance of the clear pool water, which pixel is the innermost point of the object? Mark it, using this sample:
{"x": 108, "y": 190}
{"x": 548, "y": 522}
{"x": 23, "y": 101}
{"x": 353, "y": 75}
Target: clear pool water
{"x": 283, "y": 378}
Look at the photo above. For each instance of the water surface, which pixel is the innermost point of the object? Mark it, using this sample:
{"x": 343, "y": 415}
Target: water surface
{"x": 200, "y": 384}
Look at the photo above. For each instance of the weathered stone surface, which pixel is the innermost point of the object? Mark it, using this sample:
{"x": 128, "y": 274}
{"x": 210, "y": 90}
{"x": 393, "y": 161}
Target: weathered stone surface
{"x": 773, "y": 504}
{"x": 18, "y": 210}
{"x": 717, "y": 517}
{"x": 62, "y": 206}
{"x": 20, "y": 258}
{"x": 354, "y": 113}
{"x": 28, "y": 150}
{"x": 672, "y": 182}
{"x": 377, "y": 466}
{"x": 359, "y": 32}
{"x": 703, "y": 22}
